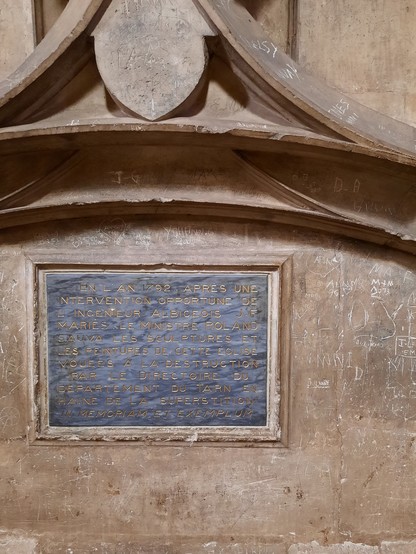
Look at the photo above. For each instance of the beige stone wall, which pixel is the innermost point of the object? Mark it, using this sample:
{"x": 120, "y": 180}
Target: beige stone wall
{"x": 365, "y": 49}
{"x": 17, "y": 34}
{"x": 95, "y": 192}
{"x": 345, "y": 472}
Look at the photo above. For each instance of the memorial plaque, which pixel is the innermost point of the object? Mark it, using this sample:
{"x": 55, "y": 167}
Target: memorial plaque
{"x": 157, "y": 349}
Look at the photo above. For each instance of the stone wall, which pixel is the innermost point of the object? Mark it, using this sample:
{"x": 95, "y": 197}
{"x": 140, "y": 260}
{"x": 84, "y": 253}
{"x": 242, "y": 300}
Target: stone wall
{"x": 345, "y": 470}
{"x": 255, "y": 168}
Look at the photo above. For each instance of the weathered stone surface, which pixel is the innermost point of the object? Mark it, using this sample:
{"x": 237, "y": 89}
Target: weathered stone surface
{"x": 53, "y": 63}
{"x": 151, "y": 54}
{"x": 168, "y": 547}
{"x": 306, "y": 98}
{"x": 14, "y": 544}
{"x": 403, "y": 547}
{"x": 345, "y": 548}
{"x": 275, "y": 17}
{"x": 47, "y": 12}
{"x": 360, "y": 38}
{"x": 17, "y": 38}
{"x": 234, "y": 184}
{"x": 285, "y": 493}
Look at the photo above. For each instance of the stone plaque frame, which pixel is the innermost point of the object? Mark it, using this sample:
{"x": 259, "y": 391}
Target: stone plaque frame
{"x": 275, "y": 432}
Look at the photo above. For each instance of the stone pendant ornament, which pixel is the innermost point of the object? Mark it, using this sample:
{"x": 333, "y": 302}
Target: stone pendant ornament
{"x": 151, "y": 54}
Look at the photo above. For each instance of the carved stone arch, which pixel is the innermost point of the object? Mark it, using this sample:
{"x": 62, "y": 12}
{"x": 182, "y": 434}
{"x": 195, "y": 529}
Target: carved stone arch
{"x": 305, "y": 102}
{"x": 314, "y": 192}
{"x": 56, "y": 59}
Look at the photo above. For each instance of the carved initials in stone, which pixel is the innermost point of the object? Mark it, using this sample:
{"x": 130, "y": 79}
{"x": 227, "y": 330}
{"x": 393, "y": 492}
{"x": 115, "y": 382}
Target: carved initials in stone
{"x": 151, "y": 54}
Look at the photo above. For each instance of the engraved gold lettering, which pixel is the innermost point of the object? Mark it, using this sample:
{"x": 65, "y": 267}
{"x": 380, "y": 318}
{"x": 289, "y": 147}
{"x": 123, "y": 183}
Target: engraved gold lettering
{"x": 181, "y": 345}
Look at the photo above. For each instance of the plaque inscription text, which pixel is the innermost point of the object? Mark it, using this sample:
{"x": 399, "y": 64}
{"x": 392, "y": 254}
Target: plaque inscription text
{"x": 156, "y": 349}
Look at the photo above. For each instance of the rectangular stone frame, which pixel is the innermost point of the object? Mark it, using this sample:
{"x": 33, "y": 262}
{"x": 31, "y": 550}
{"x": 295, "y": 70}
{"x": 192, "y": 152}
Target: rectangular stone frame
{"x": 274, "y": 434}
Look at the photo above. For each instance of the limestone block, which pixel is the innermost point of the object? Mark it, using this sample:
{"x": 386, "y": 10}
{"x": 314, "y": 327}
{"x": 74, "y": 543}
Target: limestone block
{"x": 345, "y": 548}
{"x": 274, "y": 17}
{"x": 389, "y": 102}
{"x": 17, "y": 38}
{"x": 47, "y": 12}
{"x": 13, "y": 544}
{"x": 347, "y": 468}
{"x": 355, "y": 45}
{"x": 401, "y": 547}
{"x": 378, "y": 485}
{"x": 151, "y": 55}
{"x": 157, "y": 547}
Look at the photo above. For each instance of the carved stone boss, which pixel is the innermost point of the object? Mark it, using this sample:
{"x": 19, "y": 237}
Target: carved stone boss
{"x": 178, "y": 354}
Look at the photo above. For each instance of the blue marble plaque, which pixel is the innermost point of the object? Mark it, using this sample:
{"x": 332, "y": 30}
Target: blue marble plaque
{"x": 157, "y": 349}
